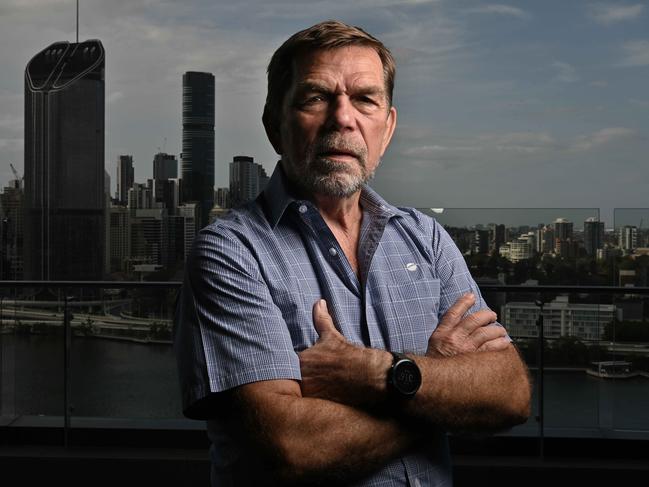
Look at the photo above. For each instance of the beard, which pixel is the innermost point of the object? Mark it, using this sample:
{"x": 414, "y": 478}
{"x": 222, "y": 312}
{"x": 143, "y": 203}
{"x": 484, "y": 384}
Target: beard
{"x": 320, "y": 174}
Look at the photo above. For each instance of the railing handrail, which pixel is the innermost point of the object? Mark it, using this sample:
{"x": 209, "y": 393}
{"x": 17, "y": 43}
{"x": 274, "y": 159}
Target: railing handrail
{"x": 483, "y": 287}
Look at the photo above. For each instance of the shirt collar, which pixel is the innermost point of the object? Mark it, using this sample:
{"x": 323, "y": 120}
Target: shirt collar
{"x": 278, "y": 196}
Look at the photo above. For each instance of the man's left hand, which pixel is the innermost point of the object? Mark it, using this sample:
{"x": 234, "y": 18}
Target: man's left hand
{"x": 337, "y": 370}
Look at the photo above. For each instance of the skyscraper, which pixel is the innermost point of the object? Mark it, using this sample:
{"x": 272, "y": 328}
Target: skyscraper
{"x": 198, "y": 142}
{"x": 11, "y": 231}
{"x": 64, "y": 162}
{"x": 563, "y": 238}
{"x": 165, "y": 174}
{"x": 593, "y": 236}
{"x": 165, "y": 166}
{"x": 125, "y": 178}
{"x": 247, "y": 180}
{"x": 628, "y": 238}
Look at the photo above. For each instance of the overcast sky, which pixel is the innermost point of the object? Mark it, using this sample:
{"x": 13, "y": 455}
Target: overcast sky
{"x": 518, "y": 104}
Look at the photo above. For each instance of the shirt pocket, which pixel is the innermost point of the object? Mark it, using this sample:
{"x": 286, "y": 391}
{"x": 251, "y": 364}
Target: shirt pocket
{"x": 413, "y": 308}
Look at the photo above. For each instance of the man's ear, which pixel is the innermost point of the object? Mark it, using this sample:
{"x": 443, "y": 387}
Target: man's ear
{"x": 272, "y": 130}
{"x": 390, "y": 125}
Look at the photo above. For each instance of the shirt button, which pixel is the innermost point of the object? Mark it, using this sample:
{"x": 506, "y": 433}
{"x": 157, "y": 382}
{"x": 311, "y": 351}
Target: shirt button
{"x": 302, "y": 209}
{"x": 333, "y": 252}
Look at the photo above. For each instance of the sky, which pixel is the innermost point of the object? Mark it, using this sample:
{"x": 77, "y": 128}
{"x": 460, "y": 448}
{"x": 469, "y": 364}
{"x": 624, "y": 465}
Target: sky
{"x": 523, "y": 104}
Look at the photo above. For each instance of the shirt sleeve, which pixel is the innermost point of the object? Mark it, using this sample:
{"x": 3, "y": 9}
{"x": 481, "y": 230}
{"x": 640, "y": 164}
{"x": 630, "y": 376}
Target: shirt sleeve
{"x": 227, "y": 330}
{"x": 455, "y": 278}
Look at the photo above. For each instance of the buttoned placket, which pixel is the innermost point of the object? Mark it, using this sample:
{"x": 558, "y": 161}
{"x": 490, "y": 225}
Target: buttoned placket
{"x": 371, "y": 232}
{"x": 329, "y": 245}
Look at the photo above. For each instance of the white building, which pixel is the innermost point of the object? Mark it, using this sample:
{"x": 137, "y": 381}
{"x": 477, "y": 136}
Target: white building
{"x": 628, "y": 238}
{"x": 560, "y": 318}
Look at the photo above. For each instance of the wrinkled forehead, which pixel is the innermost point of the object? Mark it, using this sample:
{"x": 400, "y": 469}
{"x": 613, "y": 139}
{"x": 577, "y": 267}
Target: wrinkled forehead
{"x": 312, "y": 59}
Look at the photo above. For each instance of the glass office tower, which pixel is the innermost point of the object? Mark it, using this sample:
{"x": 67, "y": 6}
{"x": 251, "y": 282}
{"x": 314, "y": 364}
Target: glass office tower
{"x": 198, "y": 142}
{"x": 64, "y": 162}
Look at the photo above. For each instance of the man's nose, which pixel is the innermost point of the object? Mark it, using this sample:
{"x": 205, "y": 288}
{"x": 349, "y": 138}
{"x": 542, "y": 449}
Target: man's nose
{"x": 341, "y": 114}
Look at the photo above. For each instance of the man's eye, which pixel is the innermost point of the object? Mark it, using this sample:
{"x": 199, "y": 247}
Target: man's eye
{"x": 313, "y": 99}
{"x": 367, "y": 100}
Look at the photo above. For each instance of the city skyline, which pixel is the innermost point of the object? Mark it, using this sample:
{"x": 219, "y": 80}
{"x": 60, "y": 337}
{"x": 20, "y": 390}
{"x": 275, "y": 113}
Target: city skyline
{"x": 521, "y": 104}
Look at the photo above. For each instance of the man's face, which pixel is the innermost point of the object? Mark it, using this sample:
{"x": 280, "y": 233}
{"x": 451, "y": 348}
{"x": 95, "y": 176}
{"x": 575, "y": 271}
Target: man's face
{"x": 335, "y": 123}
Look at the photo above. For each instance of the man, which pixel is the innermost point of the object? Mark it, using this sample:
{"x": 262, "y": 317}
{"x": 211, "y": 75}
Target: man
{"x": 292, "y": 305}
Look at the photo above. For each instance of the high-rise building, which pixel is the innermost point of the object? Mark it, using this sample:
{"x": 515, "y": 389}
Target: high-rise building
{"x": 198, "y": 142}
{"x": 165, "y": 174}
{"x": 140, "y": 196}
{"x": 593, "y": 236}
{"x": 497, "y": 236}
{"x": 247, "y": 180}
{"x": 222, "y": 197}
{"x": 11, "y": 231}
{"x": 165, "y": 166}
{"x": 563, "y": 241}
{"x": 563, "y": 229}
{"x": 545, "y": 239}
{"x": 120, "y": 242}
{"x": 64, "y": 162}
{"x": 628, "y": 238}
{"x": 125, "y": 178}
{"x": 480, "y": 241}
{"x": 188, "y": 212}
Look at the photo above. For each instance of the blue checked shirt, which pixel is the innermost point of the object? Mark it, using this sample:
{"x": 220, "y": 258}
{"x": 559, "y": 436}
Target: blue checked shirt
{"x": 245, "y": 309}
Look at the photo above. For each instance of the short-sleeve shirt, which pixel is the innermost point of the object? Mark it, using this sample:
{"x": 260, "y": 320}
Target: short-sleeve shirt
{"x": 245, "y": 309}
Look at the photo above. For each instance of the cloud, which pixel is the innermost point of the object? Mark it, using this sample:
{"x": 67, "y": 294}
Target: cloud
{"x": 609, "y": 13}
{"x": 601, "y": 137}
{"x": 519, "y": 142}
{"x": 599, "y": 83}
{"x": 566, "y": 73}
{"x": 639, "y": 103}
{"x": 436, "y": 150}
{"x": 500, "y": 9}
{"x": 12, "y": 145}
{"x": 635, "y": 53}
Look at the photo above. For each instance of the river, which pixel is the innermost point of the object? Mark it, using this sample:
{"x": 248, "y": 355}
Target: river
{"x": 117, "y": 379}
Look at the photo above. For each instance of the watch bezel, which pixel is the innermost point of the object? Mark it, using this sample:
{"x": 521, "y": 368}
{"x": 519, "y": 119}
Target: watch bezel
{"x": 401, "y": 363}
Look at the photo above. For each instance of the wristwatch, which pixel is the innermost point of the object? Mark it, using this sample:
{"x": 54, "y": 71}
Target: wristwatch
{"x": 404, "y": 377}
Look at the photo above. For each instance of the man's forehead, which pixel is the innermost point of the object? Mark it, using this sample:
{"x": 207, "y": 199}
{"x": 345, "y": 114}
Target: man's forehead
{"x": 310, "y": 60}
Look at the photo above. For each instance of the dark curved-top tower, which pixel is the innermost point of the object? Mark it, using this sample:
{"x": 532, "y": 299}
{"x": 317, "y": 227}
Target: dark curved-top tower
{"x": 64, "y": 162}
{"x": 198, "y": 142}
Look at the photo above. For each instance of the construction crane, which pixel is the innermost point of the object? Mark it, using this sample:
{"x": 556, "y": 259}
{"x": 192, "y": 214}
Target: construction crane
{"x": 13, "y": 169}
{"x": 19, "y": 180}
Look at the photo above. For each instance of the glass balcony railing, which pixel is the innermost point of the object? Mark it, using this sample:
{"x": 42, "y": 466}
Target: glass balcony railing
{"x": 98, "y": 354}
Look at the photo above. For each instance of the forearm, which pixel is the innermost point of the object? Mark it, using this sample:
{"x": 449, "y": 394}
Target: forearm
{"x": 473, "y": 392}
{"x": 316, "y": 441}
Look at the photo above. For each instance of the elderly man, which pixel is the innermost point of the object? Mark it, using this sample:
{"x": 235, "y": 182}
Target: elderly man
{"x": 328, "y": 337}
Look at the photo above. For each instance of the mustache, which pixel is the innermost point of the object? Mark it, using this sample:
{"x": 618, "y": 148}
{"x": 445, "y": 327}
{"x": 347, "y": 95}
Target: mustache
{"x": 335, "y": 142}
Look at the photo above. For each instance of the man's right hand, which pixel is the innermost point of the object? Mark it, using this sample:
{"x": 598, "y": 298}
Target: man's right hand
{"x": 456, "y": 333}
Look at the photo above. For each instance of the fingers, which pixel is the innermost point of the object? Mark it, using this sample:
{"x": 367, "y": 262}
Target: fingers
{"x": 455, "y": 313}
{"x": 486, "y": 334}
{"x": 495, "y": 345}
{"x": 322, "y": 320}
{"x": 475, "y": 321}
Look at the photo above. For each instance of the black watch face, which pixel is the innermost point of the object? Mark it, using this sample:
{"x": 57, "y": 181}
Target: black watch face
{"x": 407, "y": 377}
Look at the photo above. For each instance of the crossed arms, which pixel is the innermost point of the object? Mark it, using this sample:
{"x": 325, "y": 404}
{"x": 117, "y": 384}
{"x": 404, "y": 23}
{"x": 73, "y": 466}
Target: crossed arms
{"x": 338, "y": 423}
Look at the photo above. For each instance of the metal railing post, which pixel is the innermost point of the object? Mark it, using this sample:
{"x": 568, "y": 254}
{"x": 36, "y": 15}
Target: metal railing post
{"x": 66, "y": 371}
{"x": 540, "y": 371}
